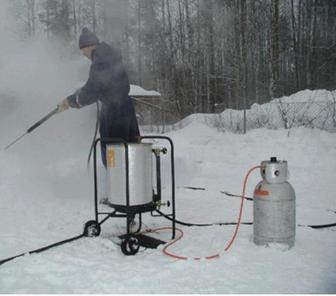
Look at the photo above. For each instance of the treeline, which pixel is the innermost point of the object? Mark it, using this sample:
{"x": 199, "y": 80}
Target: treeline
{"x": 203, "y": 55}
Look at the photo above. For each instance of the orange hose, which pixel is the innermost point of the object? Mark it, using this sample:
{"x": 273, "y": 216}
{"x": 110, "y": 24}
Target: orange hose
{"x": 165, "y": 251}
{"x": 173, "y": 242}
{"x": 241, "y": 207}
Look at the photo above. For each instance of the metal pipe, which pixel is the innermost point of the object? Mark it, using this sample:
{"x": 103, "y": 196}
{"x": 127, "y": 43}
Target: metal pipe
{"x": 172, "y": 175}
{"x": 34, "y": 126}
{"x": 95, "y": 179}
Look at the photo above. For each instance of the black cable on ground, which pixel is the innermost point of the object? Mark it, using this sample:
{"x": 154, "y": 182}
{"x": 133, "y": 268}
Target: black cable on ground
{"x": 43, "y": 249}
{"x": 319, "y": 226}
{"x": 236, "y": 195}
{"x": 224, "y": 192}
{"x": 200, "y": 224}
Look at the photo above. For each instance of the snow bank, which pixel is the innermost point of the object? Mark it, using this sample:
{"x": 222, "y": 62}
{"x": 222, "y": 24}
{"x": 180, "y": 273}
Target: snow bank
{"x": 307, "y": 108}
{"x": 137, "y": 91}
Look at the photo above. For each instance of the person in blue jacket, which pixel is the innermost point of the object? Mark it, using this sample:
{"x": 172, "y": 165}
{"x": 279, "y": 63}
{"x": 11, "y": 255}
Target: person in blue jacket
{"x": 108, "y": 82}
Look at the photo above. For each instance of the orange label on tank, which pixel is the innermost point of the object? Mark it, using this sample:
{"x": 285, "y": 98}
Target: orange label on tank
{"x": 260, "y": 192}
{"x": 110, "y": 158}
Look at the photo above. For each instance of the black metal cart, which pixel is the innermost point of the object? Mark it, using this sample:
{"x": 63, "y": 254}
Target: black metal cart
{"x": 132, "y": 240}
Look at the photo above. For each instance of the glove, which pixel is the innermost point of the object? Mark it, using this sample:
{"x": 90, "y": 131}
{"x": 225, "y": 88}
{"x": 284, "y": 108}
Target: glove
{"x": 63, "y": 105}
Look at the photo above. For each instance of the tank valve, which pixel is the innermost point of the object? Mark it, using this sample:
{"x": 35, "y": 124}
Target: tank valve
{"x": 159, "y": 204}
{"x": 158, "y": 151}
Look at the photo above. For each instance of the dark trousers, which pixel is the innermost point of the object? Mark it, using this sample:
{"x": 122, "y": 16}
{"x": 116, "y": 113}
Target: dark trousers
{"x": 118, "y": 121}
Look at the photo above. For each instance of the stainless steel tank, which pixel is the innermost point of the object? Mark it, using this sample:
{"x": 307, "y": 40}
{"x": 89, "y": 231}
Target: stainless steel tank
{"x": 274, "y": 206}
{"x": 140, "y": 174}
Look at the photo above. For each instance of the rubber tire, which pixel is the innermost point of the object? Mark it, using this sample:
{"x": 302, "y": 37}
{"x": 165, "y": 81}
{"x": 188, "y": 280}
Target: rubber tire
{"x": 130, "y": 246}
{"x": 92, "y": 229}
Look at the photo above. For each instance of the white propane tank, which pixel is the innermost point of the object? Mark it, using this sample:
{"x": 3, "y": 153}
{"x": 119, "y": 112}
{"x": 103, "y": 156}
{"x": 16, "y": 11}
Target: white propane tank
{"x": 274, "y": 206}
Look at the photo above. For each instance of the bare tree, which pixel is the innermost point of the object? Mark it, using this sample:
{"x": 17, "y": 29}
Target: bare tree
{"x": 31, "y": 17}
{"x": 274, "y": 48}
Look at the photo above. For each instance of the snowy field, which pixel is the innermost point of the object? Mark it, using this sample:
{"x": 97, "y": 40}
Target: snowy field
{"x": 47, "y": 195}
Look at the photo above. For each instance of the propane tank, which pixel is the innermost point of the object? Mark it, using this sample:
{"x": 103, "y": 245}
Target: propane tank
{"x": 274, "y": 205}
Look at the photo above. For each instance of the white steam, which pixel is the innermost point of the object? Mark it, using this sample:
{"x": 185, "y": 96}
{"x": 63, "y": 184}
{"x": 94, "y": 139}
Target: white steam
{"x": 34, "y": 76}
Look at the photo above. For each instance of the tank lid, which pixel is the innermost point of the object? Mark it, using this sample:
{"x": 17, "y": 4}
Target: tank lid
{"x": 130, "y": 144}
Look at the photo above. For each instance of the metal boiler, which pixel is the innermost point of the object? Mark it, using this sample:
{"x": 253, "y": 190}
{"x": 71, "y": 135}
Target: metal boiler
{"x": 274, "y": 206}
{"x": 140, "y": 176}
{"x": 133, "y": 183}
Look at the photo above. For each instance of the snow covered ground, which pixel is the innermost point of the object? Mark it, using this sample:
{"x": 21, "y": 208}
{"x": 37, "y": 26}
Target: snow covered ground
{"x": 46, "y": 195}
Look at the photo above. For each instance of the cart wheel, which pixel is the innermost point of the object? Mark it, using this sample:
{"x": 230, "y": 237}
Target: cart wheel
{"x": 130, "y": 246}
{"x": 91, "y": 228}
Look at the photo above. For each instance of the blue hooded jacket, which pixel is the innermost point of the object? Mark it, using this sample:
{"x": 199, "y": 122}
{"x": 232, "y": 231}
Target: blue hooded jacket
{"x": 108, "y": 83}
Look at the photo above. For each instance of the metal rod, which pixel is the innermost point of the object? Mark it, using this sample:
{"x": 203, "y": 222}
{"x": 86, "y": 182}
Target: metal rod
{"x": 129, "y": 218}
{"x": 151, "y": 105}
{"x": 109, "y": 215}
{"x": 45, "y": 118}
{"x": 95, "y": 179}
{"x": 158, "y": 176}
{"x": 19, "y": 138}
{"x": 34, "y": 126}
{"x": 95, "y": 134}
{"x": 172, "y": 176}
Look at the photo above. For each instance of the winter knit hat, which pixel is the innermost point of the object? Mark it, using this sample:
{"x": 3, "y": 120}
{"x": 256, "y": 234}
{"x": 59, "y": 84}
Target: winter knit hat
{"x": 87, "y": 38}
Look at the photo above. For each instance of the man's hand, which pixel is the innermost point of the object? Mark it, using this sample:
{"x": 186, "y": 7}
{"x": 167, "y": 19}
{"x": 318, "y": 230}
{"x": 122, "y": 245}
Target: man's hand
{"x": 63, "y": 105}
